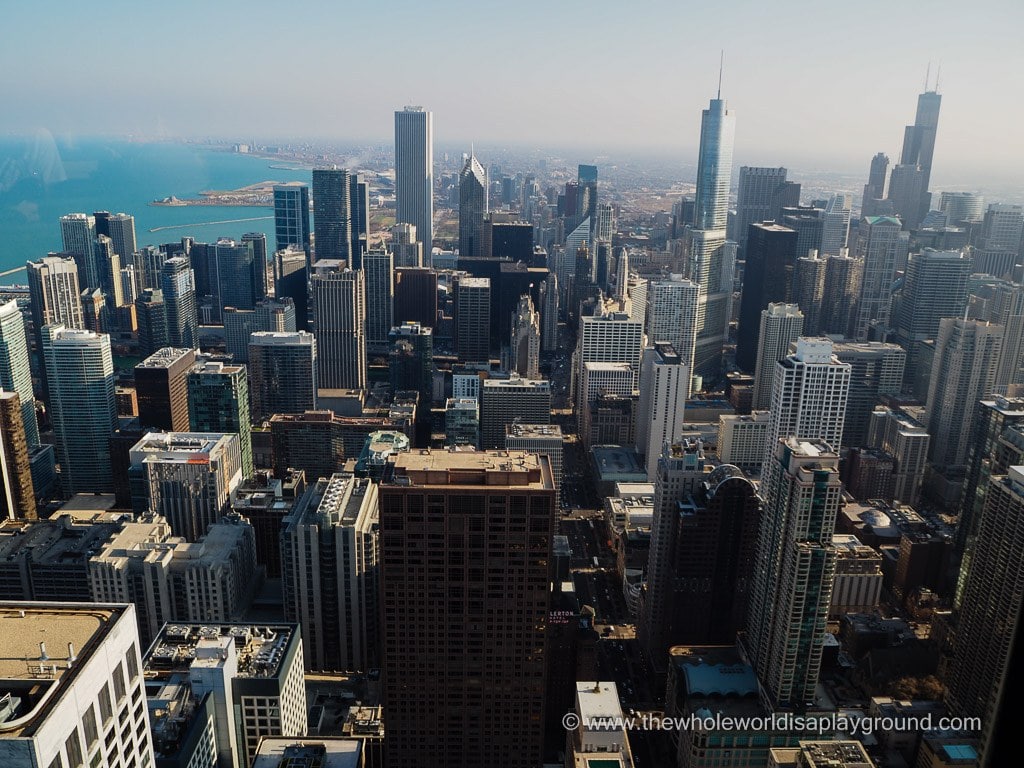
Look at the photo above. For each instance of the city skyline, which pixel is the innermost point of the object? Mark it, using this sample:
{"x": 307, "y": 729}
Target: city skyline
{"x": 810, "y": 116}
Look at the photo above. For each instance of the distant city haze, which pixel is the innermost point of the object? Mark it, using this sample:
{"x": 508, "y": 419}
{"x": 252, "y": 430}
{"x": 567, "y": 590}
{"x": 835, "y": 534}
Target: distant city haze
{"x": 813, "y": 85}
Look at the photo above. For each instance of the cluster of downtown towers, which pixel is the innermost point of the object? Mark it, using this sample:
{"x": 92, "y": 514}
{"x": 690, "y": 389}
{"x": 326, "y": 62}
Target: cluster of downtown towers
{"x": 841, "y": 331}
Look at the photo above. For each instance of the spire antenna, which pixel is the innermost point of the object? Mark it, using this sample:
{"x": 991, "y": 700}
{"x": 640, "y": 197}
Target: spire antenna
{"x": 721, "y": 66}
{"x": 927, "y": 74}
{"x": 937, "y": 76}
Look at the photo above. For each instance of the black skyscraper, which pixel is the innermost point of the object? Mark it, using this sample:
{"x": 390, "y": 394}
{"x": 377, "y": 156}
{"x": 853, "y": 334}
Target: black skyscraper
{"x": 331, "y": 218}
{"x": 771, "y": 259}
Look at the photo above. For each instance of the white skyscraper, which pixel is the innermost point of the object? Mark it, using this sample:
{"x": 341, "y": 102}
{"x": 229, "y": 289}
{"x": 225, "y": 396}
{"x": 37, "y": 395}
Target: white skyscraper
{"x": 808, "y": 395}
{"x": 664, "y": 389}
{"x": 339, "y": 312}
{"x": 781, "y": 325}
{"x": 78, "y": 234}
{"x": 414, "y": 172}
{"x": 672, "y": 315}
{"x": 835, "y": 229}
{"x": 15, "y": 373}
{"x": 80, "y": 376}
{"x": 73, "y": 675}
{"x": 614, "y": 337}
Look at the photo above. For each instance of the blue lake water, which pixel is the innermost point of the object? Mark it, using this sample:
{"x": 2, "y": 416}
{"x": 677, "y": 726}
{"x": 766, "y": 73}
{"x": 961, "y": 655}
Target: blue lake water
{"x": 41, "y": 179}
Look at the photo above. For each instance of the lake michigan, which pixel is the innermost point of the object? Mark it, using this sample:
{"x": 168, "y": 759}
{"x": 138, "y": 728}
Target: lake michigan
{"x": 42, "y": 178}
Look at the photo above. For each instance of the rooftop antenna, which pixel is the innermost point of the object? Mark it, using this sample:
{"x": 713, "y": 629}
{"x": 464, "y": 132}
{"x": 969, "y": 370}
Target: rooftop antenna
{"x": 721, "y": 65}
{"x": 938, "y": 74}
{"x": 927, "y": 74}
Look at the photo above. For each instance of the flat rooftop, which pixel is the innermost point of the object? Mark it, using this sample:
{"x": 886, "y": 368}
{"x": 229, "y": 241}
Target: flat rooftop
{"x": 261, "y": 648}
{"x": 598, "y": 699}
{"x": 56, "y": 541}
{"x": 35, "y": 653}
{"x": 512, "y": 469}
{"x": 166, "y": 357}
{"x": 180, "y": 446}
{"x": 553, "y": 431}
{"x": 308, "y": 753}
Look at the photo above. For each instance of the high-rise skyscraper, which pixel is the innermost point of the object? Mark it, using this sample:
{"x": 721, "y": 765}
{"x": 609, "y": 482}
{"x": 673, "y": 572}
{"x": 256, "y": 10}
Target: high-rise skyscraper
{"x": 291, "y": 217}
{"x": 108, "y": 266}
{"x": 934, "y": 287}
{"x": 472, "y": 319}
{"x": 963, "y": 372}
{"x": 332, "y": 219}
{"x": 524, "y": 344}
{"x": 277, "y": 314}
{"x": 151, "y": 315}
{"x": 291, "y": 275}
{"x": 237, "y": 274}
{"x": 15, "y": 370}
{"x": 379, "y": 274}
{"x": 681, "y": 468}
{"x": 874, "y": 190}
{"x": 781, "y": 325}
{"x": 882, "y": 247}
{"x": 808, "y": 395}
{"x": 120, "y": 228}
{"x": 767, "y": 278}
{"x": 93, "y": 675}
{"x": 711, "y": 259}
{"x": 330, "y": 572}
{"x": 761, "y": 195}
{"x": 359, "y": 211}
{"x": 162, "y": 391}
{"x": 664, "y": 389}
{"x": 988, "y": 627}
{"x": 488, "y": 666}
{"x": 876, "y": 369}
{"x": 78, "y": 234}
{"x": 80, "y": 376}
{"x": 671, "y": 315}
{"x": 189, "y": 477}
{"x": 218, "y": 401}
{"x": 178, "y": 284}
{"x": 835, "y": 225}
{"x": 283, "y": 372}
{"x": 17, "y": 497}
{"x": 55, "y": 293}
{"x": 407, "y": 249}
{"x": 505, "y": 401}
{"x": 793, "y": 571}
{"x": 472, "y": 208}
{"x": 411, "y": 360}
{"x": 416, "y": 295}
{"x": 339, "y": 324}
{"x": 918, "y": 150}
{"x": 962, "y": 207}
{"x": 809, "y": 291}
{"x": 843, "y": 275}
{"x": 414, "y": 172}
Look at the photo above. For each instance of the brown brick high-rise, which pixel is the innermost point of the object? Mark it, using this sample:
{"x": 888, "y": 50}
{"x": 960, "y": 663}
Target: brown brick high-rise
{"x": 18, "y": 499}
{"x": 466, "y": 553}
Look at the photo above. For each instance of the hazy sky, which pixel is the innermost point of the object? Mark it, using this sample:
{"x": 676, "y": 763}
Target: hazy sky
{"x": 815, "y": 85}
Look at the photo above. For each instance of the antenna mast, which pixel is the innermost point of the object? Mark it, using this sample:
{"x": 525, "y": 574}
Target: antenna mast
{"x": 721, "y": 65}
